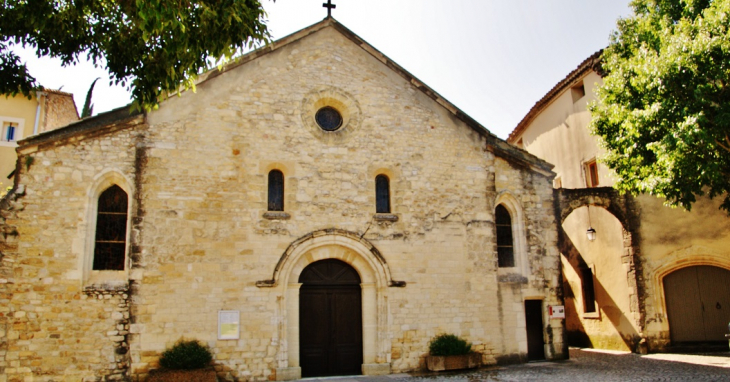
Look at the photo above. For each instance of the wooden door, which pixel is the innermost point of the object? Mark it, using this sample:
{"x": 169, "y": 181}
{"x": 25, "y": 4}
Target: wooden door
{"x": 535, "y": 339}
{"x": 698, "y": 304}
{"x": 330, "y": 320}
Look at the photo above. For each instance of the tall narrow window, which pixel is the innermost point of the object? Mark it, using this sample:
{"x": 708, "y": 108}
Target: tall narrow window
{"x": 276, "y": 190}
{"x": 505, "y": 247}
{"x": 589, "y": 295}
{"x": 382, "y": 194}
{"x": 111, "y": 230}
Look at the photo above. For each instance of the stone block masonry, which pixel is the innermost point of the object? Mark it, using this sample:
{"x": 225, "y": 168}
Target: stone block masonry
{"x": 201, "y": 239}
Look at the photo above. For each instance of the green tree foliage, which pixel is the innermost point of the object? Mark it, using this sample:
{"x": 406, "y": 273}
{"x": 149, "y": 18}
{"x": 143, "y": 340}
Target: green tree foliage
{"x": 663, "y": 114}
{"x": 153, "y": 47}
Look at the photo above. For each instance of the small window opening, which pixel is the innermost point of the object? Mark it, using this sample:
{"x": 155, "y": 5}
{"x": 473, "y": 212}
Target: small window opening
{"x": 10, "y": 130}
{"x": 111, "y": 230}
{"x": 589, "y": 296}
{"x": 382, "y": 194}
{"x": 578, "y": 91}
{"x": 505, "y": 246}
{"x": 592, "y": 173}
{"x": 276, "y": 191}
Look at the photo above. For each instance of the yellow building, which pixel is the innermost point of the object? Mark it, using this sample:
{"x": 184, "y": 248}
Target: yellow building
{"x": 21, "y": 117}
{"x": 651, "y": 277}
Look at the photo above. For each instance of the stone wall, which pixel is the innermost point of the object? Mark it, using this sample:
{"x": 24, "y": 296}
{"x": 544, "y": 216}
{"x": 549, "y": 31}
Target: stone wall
{"x": 201, "y": 240}
{"x": 58, "y": 110}
{"x": 55, "y": 324}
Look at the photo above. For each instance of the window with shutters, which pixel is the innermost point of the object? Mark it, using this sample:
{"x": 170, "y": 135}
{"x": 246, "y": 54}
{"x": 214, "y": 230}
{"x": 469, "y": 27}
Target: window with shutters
{"x": 591, "y": 170}
{"x": 11, "y": 131}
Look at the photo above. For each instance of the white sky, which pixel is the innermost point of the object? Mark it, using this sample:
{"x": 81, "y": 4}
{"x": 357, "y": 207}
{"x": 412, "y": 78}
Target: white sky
{"x": 493, "y": 59}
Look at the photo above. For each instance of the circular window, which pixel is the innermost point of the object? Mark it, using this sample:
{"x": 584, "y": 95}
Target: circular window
{"x": 330, "y": 114}
{"x": 328, "y": 118}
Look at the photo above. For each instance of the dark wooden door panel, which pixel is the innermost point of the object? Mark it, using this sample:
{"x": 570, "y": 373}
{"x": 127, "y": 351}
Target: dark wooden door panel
{"x": 313, "y": 340}
{"x": 347, "y": 330}
{"x": 330, "y": 320}
{"x": 533, "y": 323}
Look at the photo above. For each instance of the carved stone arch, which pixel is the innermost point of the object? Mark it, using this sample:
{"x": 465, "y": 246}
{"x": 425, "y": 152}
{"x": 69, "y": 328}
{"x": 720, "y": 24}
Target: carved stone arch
{"x": 102, "y": 181}
{"x": 620, "y": 206}
{"x": 332, "y": 236}
{"x": 625, "y": 209}
{"x": 375, "y": 279}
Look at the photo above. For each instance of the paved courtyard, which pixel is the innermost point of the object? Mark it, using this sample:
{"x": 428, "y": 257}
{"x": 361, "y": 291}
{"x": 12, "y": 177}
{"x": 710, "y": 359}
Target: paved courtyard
{"x": 585, "y": 365}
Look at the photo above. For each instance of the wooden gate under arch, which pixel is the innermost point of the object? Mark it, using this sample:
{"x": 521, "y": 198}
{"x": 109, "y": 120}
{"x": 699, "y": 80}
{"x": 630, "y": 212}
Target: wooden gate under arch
{"x": 698, "y": 304}
{"x": 330, "y": 319}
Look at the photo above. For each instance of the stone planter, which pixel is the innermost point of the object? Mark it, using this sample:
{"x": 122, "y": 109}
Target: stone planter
{"x": 453, "y": 362}
{"x": 199, "y": 375}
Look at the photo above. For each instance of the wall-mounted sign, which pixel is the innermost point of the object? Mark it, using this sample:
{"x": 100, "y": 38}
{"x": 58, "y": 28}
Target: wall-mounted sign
{"x": 556, "y": 311}
{"x": 229, "y": 324}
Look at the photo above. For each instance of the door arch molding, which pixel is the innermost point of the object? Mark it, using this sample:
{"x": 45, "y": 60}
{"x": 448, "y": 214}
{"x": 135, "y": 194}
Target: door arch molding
{"x": 331, "y": 236}
{"x": 375, "y": 280}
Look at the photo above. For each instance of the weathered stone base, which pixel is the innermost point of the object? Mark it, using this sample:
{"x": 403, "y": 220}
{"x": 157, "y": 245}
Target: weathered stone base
{"x": 199, "y": 375}
{"x": 375, "y": 369}
{"x": 288, "y": 373}
{"x": 453, "y": 362}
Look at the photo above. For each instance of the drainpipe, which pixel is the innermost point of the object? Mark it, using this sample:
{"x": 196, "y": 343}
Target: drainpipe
{"x": 38, "y": 96}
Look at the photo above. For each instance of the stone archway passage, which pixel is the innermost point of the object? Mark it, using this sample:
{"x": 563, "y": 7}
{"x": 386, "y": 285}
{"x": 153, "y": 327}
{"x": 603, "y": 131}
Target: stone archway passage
{"x": 330, "y": 319}
{"x": 698, "y": 304}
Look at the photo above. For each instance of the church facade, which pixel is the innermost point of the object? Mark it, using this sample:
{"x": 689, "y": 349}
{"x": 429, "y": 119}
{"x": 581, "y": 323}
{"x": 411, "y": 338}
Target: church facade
{"x": 311, "y": 210}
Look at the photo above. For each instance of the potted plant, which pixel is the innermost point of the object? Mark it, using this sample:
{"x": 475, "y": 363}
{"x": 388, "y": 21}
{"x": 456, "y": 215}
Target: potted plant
{"x": 186, "y": 361}
{"x": 450, "y": 352}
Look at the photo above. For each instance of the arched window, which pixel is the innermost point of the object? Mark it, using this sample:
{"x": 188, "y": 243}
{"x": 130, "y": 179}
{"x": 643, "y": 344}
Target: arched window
{"x": 382, "y": 194}
{"x": 111, "y": 230}
{"x": 276, "y": 190}
{"x": 505, "y": 246}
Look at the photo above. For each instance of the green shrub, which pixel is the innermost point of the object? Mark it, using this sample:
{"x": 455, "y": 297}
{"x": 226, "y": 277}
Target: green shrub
{"x": 186, "y": 355}
{"x": 448, "y": 344}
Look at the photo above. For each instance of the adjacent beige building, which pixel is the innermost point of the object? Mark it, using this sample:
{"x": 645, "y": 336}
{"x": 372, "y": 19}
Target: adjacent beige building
{"x": 654, "y": 277}
{"x": 313, "y": 209}
{"x": 21, "y": 117}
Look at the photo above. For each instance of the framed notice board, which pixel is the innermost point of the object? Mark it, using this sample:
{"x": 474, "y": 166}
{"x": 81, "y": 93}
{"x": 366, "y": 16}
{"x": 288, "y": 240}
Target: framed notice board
{"x": 229, "y": 324}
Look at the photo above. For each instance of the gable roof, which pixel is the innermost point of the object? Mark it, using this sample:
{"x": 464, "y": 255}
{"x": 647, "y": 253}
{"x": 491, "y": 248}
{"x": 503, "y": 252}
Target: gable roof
{"x": 498, "y": 146}
{"x": 592, "y": 63}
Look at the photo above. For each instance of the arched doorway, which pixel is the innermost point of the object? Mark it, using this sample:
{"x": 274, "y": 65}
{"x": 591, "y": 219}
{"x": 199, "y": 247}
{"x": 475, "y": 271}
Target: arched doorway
{"x": 330, "y": 319}
{"x": 698, "y": 304}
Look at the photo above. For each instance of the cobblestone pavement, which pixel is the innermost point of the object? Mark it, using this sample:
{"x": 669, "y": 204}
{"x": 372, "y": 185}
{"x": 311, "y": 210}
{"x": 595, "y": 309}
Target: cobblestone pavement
{"x": 583, "y": 365}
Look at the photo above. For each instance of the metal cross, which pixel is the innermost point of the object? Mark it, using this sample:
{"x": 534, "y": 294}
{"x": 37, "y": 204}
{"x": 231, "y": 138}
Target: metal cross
{"x": 329, "y": 7}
